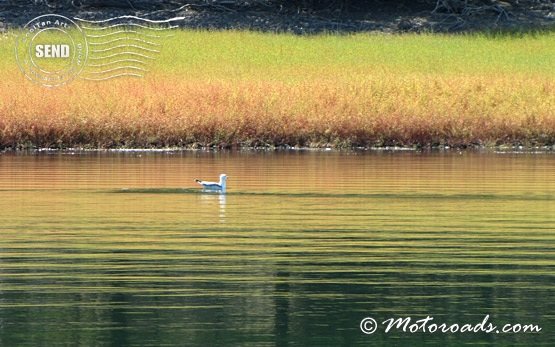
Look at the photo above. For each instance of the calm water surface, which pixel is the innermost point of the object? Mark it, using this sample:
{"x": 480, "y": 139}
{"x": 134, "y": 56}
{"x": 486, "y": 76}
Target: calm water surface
{"x": 123, "y": 250}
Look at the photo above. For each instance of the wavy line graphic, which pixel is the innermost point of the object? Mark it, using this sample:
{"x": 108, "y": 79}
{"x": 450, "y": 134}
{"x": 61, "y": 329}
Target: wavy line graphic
{"x": 124, "y": 39}
{"x": 134, "y": 42}
{"x": 128, "y": 32}
{"x": 129, "y": 25}
{"x": 117, "y": 69}
{"x": 125, "y": 46}
{"x": 113, "y": 76}
{"x": 120, "y": 54}
{"x": 118, "y": 62}
{"x": 130, "y": 17}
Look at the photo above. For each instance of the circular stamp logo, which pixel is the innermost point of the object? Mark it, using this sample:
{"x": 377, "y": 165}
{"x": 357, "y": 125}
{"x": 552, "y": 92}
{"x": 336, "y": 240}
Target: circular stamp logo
{"x": 52, "y": 50}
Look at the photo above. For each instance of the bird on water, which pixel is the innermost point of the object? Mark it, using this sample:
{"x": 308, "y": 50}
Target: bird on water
{"x": 215, "y": 186}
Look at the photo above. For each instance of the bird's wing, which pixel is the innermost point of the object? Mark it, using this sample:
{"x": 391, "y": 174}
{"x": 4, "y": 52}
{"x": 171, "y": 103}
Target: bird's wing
{"x": 208, "y": 184}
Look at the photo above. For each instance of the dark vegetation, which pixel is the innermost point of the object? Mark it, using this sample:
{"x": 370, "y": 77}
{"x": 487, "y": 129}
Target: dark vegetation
{"x": 307, "y": 16}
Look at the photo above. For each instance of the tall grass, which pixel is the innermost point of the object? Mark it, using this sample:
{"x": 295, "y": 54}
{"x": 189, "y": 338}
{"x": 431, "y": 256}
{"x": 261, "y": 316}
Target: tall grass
{"x": 247, "y": 89}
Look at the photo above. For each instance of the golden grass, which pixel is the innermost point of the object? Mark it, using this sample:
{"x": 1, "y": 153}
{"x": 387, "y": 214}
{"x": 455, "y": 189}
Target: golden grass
{"x": 249, "y": 89}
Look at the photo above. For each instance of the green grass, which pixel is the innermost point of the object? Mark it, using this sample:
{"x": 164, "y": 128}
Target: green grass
{"x": 252, "y": 55}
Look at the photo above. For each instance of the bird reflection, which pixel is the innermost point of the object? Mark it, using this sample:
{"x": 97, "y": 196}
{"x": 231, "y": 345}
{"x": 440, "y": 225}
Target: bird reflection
{"x": 210, "y": 198}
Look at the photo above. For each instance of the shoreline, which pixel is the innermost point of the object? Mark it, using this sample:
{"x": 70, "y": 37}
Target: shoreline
{"x": 284, "y": 149}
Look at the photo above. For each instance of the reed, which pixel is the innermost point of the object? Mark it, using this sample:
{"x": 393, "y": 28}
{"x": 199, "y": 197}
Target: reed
{"x": 250, "y": 89}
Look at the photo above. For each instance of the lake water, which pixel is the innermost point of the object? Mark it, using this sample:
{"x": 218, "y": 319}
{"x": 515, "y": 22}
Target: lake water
{"x": 122, "y": 249}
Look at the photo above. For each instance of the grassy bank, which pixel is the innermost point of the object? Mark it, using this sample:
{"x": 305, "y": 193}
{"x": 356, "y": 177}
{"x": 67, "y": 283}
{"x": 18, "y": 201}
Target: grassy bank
{"x": 240, "y": 88}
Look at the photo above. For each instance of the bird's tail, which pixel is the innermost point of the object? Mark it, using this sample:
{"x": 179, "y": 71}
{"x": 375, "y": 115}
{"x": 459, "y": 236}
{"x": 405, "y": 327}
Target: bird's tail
{"x": 197, "y": 180}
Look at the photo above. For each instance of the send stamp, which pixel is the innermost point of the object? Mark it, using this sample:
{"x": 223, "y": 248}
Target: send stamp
{"x": 52, "y": 50}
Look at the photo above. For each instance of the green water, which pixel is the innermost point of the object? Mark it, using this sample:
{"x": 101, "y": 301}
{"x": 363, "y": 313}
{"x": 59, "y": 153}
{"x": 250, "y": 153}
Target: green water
{"x": 123, "y": 249}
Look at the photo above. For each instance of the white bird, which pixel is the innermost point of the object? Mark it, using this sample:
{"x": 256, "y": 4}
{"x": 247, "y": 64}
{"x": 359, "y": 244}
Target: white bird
{"x": 217, "y": 186}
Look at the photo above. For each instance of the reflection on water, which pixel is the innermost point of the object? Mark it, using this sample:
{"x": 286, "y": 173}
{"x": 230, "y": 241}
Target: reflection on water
{"x": 209, "y": 199}
{"x": 126, "y": 250}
